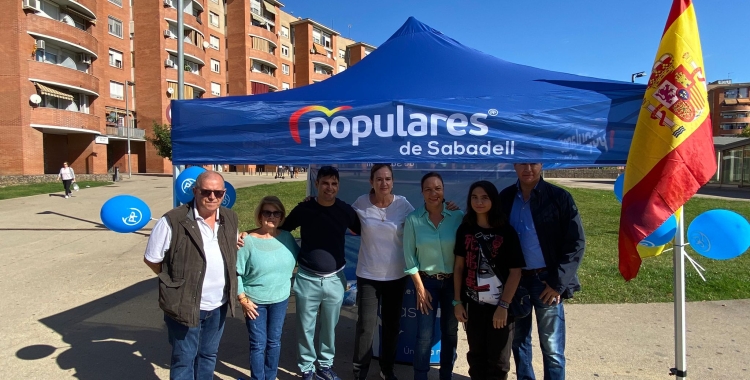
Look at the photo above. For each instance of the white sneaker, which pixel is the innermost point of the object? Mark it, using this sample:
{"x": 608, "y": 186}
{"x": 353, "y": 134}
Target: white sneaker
{"x": 67, "y": 196}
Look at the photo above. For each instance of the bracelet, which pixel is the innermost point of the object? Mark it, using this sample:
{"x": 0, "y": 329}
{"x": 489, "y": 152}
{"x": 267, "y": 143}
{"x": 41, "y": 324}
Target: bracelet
{"x": 503, "y": 304}
{"x": 456, "y": 303}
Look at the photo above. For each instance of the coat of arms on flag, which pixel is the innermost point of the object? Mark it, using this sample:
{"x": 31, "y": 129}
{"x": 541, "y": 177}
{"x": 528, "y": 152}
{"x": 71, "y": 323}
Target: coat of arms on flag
{"x": 678, "y": 90}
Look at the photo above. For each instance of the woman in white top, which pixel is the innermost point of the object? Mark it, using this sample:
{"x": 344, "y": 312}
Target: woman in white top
{"x": 68, "y": 176}
{"x": 380, "y": 271}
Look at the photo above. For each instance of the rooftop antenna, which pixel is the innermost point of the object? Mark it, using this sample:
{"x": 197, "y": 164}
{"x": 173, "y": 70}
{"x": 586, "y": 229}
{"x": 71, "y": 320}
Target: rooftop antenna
{"x": 350, "y": 31}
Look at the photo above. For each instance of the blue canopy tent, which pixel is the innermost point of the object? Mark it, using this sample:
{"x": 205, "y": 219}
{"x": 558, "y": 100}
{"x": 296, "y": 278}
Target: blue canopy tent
{"x": 421, "y": 97}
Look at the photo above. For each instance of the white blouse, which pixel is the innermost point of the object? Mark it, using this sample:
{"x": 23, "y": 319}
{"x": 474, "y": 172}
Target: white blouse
{"x": 381, "y": 252}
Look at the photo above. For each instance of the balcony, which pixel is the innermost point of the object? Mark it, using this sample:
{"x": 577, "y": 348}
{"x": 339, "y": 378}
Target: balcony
{"x": 192, "y": 52}
{"x": 66, "y": 120}
{"x": 190, "y": 21}
{"x": 57, "y": 75}
{"x": 191, "y": 79}
{"x": 135, "y": 133}
{"x": 318, "y": 77}
{"x": 263, "y": 33}
{"x": 45, "y": 27}
{"x": 264, "y": 57}
{"x": 270, "y": 80}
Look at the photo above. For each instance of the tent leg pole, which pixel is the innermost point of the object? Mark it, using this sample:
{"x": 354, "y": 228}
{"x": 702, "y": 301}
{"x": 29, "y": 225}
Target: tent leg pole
{"x": 680, "y": 370}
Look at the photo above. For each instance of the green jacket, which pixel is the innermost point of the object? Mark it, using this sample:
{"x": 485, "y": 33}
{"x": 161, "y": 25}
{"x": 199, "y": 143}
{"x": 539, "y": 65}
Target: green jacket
{"x": 184, "y": 265}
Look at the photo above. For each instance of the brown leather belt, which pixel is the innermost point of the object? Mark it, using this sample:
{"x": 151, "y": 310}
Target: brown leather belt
{"x": 437, "y": 276}
{"x": 532, "y": 272}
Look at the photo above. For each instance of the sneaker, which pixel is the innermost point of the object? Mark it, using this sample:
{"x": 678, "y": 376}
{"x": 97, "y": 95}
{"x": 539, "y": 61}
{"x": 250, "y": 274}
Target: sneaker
{"x": 310, "y": 375}
{"x": 387, "y": 377}
{"x": 326, "y": 374}
{"x": 67, "y": 196}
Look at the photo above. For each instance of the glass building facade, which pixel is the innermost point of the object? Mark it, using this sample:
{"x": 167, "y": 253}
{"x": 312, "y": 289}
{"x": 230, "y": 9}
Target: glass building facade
{"x": 735, "y": 166}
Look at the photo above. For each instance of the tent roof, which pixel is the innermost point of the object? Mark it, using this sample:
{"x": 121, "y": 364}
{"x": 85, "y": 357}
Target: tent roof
{"x": 425, "y": 71}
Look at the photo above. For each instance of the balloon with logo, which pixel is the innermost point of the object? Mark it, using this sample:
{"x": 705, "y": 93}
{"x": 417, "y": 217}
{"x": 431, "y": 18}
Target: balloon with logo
{"x": 619, "y": 186}
{"x": 230, "y": 196}
{"x": 125, "y": 213}
{"x": 662, "y": 235}
{"x": 719, "y": 234}
{"x": 183, "y": 187}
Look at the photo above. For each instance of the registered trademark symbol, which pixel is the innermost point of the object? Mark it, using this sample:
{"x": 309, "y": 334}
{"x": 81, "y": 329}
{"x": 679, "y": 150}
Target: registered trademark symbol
{"x": 492, "y": 112}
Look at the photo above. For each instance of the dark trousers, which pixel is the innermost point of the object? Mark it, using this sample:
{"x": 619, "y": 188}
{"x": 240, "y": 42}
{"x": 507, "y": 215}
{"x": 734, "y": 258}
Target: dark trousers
{"x": 66, "y": 184}
{"x": 390, "y": 296}
{"x": 489, "y": 348}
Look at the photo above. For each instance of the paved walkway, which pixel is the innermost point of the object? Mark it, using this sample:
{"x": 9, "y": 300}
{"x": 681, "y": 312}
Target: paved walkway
{"x": 77, "y": 301}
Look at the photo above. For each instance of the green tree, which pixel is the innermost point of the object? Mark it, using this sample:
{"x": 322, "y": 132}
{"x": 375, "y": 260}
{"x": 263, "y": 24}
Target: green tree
{"x": 162, "y": 140}
{"x": 745, "y": 132}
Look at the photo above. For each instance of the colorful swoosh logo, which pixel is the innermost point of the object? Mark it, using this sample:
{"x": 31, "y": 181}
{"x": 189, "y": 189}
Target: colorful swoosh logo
{"x": 294, "y": 120}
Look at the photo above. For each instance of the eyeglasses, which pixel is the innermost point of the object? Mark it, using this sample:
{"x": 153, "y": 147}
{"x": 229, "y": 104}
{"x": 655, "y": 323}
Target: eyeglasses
{"x": 217, "y": 193}
{"x": 268, "y": 214}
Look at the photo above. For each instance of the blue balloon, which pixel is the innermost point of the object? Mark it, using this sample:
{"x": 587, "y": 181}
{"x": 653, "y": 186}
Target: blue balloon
{"x": 719, "y": 234}
{"x": 230, "y": 196}
{"x": 125, "y": 213}
{"x": 185, "y": 181}
{"x": 619, "y": 186}
{"x": 662, "y": 235}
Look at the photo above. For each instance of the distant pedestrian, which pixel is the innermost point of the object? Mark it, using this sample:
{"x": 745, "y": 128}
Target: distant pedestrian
{"x": 68, "y": 176}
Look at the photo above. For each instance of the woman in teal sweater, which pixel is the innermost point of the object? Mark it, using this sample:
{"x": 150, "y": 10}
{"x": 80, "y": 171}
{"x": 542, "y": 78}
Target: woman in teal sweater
{"x": 264, "y": 268}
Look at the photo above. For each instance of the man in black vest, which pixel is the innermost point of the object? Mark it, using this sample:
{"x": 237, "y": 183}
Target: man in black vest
{"x": 193, "y": 250}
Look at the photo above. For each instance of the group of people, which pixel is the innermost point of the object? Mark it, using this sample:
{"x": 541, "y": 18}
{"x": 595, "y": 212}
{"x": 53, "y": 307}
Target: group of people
{"x": 469, "y": 264}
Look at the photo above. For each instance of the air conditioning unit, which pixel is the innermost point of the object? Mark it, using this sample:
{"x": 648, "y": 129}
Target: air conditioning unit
{"x": 40, "y": 44}
{"x": 168, "y": 3}
{"x": 32, "y": 4}
{"x": 168, "y": 63}
{"x": 84, "y": 58}
{"x": 168, "y": 34}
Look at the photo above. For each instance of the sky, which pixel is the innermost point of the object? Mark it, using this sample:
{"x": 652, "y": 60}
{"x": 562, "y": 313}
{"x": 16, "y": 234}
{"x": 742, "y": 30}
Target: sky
{"x": 599, "y": 38}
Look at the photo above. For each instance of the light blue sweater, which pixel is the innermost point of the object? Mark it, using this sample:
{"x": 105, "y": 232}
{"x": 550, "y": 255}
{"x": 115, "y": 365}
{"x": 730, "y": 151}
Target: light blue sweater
{"x": 264, "y": 268}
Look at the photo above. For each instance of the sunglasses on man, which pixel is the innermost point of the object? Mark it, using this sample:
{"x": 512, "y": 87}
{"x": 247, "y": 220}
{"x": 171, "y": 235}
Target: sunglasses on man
{"x": 207, "y": 193}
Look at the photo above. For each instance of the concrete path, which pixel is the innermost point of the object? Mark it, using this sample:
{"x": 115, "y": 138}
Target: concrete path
{"x": 77, "y": 302}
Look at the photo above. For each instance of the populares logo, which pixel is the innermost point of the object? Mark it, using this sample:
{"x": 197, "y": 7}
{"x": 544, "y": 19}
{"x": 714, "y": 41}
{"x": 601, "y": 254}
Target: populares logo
{"x": 294, "y": 120}
{"x": 358, "y": 127}
{"x": 134, "y": 218}
{"x": 187, "y": 185}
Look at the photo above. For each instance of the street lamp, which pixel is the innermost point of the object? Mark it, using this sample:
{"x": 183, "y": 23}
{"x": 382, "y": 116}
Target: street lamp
{"x": 127, "y": 124}
{"x": 637, "y": 75}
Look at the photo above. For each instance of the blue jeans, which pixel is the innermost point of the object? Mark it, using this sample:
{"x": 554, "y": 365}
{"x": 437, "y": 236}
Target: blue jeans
{"x": 551, "y": 328}
{"x": 194, "y": 349}
{"x": 442, "y": 295}
{"x": 265, "y": 339}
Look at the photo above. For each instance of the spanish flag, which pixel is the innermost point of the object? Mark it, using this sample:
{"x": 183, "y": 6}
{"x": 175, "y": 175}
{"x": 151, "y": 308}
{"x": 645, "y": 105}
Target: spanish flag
{"x": 671, "y": 155}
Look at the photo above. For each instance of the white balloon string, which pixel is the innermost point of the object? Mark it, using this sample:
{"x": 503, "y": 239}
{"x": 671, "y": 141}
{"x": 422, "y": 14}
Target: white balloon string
{"x": 698, "y": 267}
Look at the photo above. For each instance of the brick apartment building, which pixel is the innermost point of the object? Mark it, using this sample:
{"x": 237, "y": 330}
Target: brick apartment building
{"x": 730, "y": 107}
{"x": 64, "y": 101}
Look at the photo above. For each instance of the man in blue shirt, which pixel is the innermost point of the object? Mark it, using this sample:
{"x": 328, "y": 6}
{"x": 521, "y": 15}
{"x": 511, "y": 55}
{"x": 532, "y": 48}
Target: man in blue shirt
{"x": 552, "y": 240}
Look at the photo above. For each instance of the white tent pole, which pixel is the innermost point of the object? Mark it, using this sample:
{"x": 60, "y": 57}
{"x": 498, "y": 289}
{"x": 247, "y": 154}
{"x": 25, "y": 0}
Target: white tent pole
{"x": 680, "y": 350}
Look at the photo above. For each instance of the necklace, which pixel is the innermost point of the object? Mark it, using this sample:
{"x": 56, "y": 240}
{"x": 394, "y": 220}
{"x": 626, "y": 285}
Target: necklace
{"x": 383, "y": 213}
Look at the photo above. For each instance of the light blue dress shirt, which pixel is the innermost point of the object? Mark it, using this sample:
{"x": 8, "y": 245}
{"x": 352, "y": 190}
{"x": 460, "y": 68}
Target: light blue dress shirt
{"x": 523, "y": 222}
{"x": 429, "y": 248}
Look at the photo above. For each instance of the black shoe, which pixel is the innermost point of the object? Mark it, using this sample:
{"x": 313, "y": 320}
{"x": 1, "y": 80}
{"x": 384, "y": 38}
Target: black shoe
{"x": 326, "y": 374}
{"x": 388, "y": 377}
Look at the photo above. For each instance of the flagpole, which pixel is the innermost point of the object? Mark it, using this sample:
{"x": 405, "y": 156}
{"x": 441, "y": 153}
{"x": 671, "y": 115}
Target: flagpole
{"x": 680, "y": 350}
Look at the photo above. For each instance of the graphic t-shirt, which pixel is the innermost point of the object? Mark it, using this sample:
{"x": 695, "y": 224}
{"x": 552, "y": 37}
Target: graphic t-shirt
{"x": 489, "y": 255}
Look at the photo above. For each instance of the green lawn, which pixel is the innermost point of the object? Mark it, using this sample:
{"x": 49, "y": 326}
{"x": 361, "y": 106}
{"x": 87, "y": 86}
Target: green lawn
{"x": 42, "y": 188}
{"x": 600, "y": 278}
